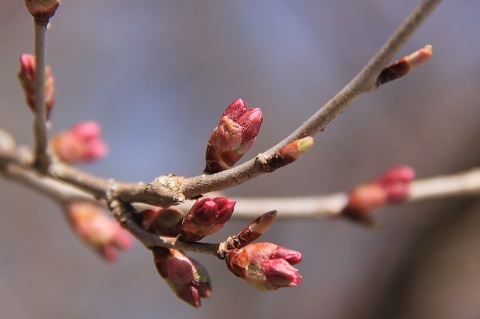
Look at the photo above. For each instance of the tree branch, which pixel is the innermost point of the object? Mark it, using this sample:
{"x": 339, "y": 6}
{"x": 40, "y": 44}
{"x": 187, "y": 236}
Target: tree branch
{"x": 40, "y": 123}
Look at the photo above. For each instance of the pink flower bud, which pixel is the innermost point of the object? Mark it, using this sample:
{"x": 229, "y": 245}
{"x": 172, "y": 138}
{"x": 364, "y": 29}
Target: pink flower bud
{"x": 185, "y": 276}
{"x": 97, "y": 230}
{"x": 26, "y": 76}
{"x": 162, "y": 221}
{"x": 81, "y": 143}
{"x": 391, "y": 187}
{"x": 233, "y": 137}
{"x": 207, "y": 216}
{"x": 265, "y": 266}
{"x": 396, "y": 183}
{"x": 42, "y": 10}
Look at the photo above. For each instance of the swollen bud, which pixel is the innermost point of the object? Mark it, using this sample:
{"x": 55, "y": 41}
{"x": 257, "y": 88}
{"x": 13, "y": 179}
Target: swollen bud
{"x": 295, "y": 149}
{"x": 206, "y": 217}
{"x": 97, "y": 230}
{"x": 392, "y": 187}
{"x": 188, "y": 279}
{"x": 26, "y": 76}
{"x": 233, "y": 137}
{"x": 265, "y": 266}
{"x": 81, "y": 143}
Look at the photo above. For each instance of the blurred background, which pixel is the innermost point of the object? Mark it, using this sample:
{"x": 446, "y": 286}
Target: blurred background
{"x": 158, "y": 74}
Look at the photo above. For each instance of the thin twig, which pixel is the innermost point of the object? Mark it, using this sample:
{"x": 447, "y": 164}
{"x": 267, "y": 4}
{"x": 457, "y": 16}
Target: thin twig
{"x": 40, "y": 123}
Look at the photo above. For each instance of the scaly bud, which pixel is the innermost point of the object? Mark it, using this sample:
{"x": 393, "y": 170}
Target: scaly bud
{"x": 405, "y": 65}
{"x": 185, "y": 276}
{"x": 161, "y": 221}
{"x": 97, "y": 230}
{"x": 26, "y": 76}
{"x": 207, "y": 216}
{"x": 81, "y": 143}
{"x": 42, "y": 10}
{"x": 265, "y": 266}
{"x": 294, "y": 150}
{"x": 233, "y": 137}
{"x": 255, "y": 229}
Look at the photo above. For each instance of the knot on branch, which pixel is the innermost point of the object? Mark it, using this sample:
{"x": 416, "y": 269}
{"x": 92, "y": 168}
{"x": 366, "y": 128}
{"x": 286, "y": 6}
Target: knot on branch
{"x": 169, "y": 183}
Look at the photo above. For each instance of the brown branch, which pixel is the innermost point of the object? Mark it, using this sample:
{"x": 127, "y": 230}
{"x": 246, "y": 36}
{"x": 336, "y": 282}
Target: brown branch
{"x": 42, "y": 159}
{"x": 124, "y": 214}
{"x": 171, "y": 190}
{"x": 364, "y": 82}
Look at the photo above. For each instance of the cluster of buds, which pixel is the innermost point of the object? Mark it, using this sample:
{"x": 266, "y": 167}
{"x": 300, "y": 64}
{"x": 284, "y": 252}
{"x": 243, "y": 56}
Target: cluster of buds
{"x": 391, "y": 187}
{"x": 405, "y": 65}
{"x": 102, "y": 233}
{"x": 81, "y": 143}
{"x": 265, "y": 266}
{"x": 26, "y": 76}
{"x": 233, "y": 137}
{"x": 185, "y": 276}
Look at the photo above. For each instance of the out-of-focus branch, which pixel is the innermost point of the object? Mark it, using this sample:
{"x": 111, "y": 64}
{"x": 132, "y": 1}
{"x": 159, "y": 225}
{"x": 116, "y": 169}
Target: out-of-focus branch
{"x": 40, "y": 123}
{"x": 456, "y": 185}
{"x": 460, "y": 184}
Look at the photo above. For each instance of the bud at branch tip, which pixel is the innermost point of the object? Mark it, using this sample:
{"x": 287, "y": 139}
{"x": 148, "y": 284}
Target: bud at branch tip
{"x": 405, "y": 65}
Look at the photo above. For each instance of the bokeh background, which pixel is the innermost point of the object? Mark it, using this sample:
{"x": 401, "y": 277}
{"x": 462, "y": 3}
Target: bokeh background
{"x": 158, "y": 74}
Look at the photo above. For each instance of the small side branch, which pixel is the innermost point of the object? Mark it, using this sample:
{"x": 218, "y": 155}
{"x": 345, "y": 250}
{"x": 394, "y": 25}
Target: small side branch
{"x": 42, "y": 160}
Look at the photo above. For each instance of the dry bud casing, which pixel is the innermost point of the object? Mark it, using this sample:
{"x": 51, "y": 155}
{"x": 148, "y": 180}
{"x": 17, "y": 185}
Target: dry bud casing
{"x": 255, "y": 229}
{"x": 26, "y": 76}
{"x": 265, "y": 266}
{"x": 98, "y": 230}
{"x": 233, "y": 137}
{"x": 81, "y": 143}
{"x": 206, "y": 216}
{"x": 186, "y": 277}
{"x": 405, "y": 65}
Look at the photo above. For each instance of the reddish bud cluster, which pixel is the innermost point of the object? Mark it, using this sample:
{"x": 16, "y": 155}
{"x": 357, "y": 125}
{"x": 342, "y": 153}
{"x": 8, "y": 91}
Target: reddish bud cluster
{"x": 265, "y": 266}
{"x": 26, "y": 76}
{"x": 185, "y": 276}
{"x": 97, "y": 230}
{"x": 81, "y": 143}
{"x": 233, "y": 137}
{"x": 391, "y": 187}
